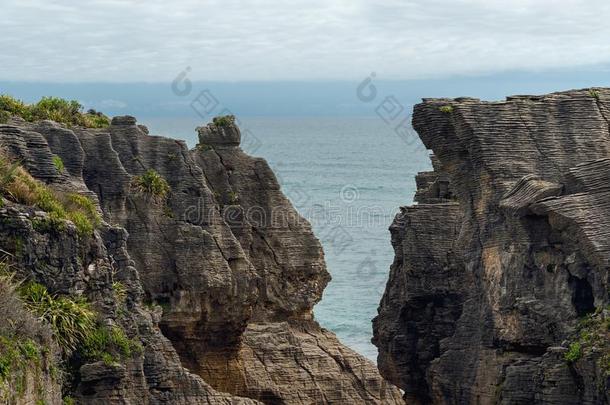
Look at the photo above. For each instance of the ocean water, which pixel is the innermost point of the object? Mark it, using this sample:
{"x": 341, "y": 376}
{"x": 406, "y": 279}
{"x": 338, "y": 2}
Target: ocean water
{"x": 348, "y": 176}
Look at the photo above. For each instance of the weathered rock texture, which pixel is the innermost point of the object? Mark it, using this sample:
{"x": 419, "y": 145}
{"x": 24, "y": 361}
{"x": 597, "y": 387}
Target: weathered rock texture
{"x": 505, "y": 258}
{"x": 67, "y": 263}
{"x": 229, "y": 268}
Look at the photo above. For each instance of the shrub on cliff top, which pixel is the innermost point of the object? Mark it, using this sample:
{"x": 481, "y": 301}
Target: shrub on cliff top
{"x": 16, "y": 107}
{"x": 18, "y": 185}
{"x": 97, "y": 120}
{"x": 68, "y": 112}
{"x": 56, "y": 109}
{"x": 594, "y": 93}
{"x": 152, "y": 183}
{"x": 224, "y": 120}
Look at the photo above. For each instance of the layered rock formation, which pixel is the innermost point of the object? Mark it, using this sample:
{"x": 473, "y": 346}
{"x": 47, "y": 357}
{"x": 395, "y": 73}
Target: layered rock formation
{"x": 67, "y": 263}
{"x": 222, "y": 274}
{"x": 499, "y": 289}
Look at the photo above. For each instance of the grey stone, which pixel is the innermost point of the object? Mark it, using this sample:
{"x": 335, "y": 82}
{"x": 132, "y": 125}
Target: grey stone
{"x": 221, "y": 301}
{"x": 494, "y": 270}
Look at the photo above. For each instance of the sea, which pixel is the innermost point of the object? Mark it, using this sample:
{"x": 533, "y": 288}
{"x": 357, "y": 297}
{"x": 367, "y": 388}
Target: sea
{"x": 348, "y": 176}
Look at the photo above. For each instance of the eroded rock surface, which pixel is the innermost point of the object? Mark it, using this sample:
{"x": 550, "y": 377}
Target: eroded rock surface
{"x": 68, "y": 263}
{"x": 222, "y": 273}
{"x": 501, "y": 268}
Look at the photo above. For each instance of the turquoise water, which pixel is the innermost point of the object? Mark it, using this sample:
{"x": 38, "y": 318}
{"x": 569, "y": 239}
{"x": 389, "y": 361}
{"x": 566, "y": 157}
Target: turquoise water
{"x": 348, "y": 176}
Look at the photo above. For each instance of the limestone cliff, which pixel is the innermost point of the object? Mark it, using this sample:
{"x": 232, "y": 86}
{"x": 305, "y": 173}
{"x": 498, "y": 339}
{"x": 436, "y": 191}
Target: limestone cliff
{"x": 221, "y": 273}
{"x": 499, "y": 288}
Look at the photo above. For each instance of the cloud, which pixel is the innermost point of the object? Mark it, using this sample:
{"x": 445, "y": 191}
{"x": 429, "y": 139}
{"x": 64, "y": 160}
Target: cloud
{"x": 154, "y": 40}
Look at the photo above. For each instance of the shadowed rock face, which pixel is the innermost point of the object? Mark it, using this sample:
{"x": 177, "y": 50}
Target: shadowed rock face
{"x": 233, "y": 266}
{"x": 277, "y": 241}
{"x": 504, "y": 256}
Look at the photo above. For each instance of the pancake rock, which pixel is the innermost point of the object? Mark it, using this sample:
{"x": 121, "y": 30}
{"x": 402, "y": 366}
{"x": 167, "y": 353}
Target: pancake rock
{"x": 499, "y": 289}
{"x": 221, "y": 272}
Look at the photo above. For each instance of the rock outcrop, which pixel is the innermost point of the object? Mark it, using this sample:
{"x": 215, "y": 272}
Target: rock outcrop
{"x": 499, "y": 289}
{"x": 222, "y": 273}
{"x": 68, "y": 263}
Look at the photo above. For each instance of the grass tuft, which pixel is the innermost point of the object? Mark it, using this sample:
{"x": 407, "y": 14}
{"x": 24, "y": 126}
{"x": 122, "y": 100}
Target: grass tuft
{"x": 447, "y": 109}
{"x": 58, "y": 163}
{"x": 152, "y": 183}
{"x": 594, "y": 93}
{"x": 109, "y": 344}
{"x": 120, "y": 291}
{"x": 74, "y": 327}
{"x": 71, "y": 320}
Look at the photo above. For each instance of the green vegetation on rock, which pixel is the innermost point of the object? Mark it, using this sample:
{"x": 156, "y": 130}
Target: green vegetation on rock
{"x": 58, "y": 163}
{"x": 224, "y": 120}
{"x": 120, "y": 291}
{"x": 17, "y": 356}
{"x": 17, "y": 185}
{"x": 110, "y": 345}
{"x": 447, "y": 109}
{"x": 75, "y": 326}
{"x": 71, "y": 319}
{"x": 594, "y": 93}
{"x": 68, "y": 112}
{"x": 12, "y": 106}
{"x": 574, "y": 352}
{"x": 152, "y": 183}
{"x": 15, "y": 353}
{"x": 4, "y": 116}
{"x": 593, "y": 336}
{"x": 67, "y": 400}
{"x": 202, "y": 147}
{"x": 233, "y": 197}
{"x": 26, "y": 348}
{"x": 96, "y": 119}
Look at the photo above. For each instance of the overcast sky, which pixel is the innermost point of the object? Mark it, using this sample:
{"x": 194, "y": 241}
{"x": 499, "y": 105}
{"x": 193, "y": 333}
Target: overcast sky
{"x": 153, "y": 40}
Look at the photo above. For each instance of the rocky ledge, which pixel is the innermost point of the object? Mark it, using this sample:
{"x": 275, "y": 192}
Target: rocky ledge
{"x": 199, "y": 257}
{"x": 499, "y": 289}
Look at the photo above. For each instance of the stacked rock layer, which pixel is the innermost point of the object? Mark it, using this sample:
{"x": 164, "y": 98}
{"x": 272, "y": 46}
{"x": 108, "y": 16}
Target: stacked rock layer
{"x": 222, "y": 274}
{"x": 499, "y": 288}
